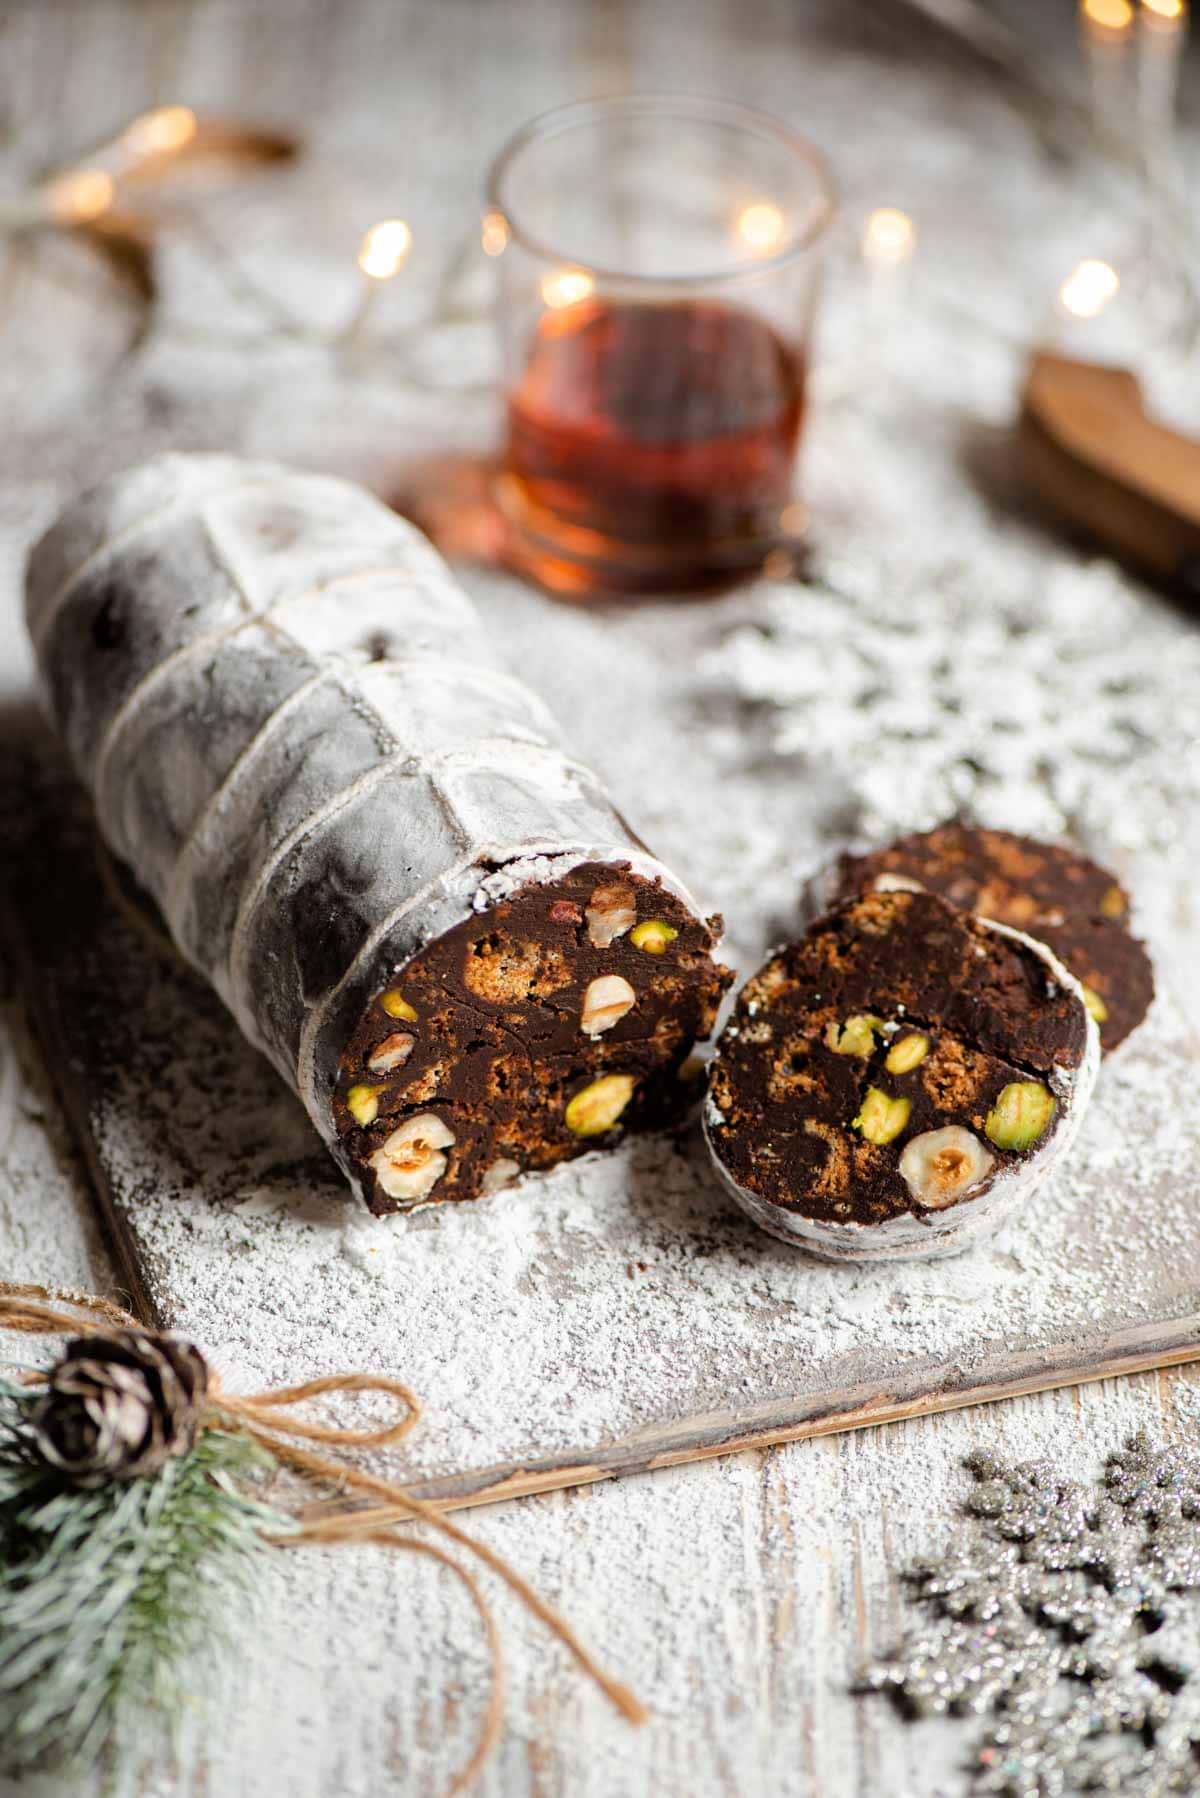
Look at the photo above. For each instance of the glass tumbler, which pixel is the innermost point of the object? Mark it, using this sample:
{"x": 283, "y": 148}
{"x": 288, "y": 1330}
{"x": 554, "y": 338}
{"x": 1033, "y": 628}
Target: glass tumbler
{"x": 659, "y": 261}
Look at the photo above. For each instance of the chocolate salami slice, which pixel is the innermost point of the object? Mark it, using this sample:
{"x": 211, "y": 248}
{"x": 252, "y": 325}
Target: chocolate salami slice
{"x": 1052, "y": 893}
{"x": 898, "y": 1081}
{"x": 361, "y": 829}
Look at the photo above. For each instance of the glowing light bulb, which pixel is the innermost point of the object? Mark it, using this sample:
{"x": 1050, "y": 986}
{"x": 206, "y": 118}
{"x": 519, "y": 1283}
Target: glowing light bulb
{"x": 81, "y": 196}
{"x": 161, "y": 132}
{"x": 889, "y": 238}
{"x": 566, "y": 287}
{"x": 1170, "y": 12}
{"x": 1088, "y": 289}
{"x": 761, "y": 227}
{"x": 494, "y": 235}
{"x": 1110, "y": 15}
{"x": 384, "y": 249}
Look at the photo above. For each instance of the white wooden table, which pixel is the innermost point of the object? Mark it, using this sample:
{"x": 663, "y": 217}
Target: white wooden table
{"x": 739, "y": 1596}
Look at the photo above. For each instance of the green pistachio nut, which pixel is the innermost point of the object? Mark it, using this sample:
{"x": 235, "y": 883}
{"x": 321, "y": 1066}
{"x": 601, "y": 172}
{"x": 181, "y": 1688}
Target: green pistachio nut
{"x": 653, "y": 936}
{"x": 362, "y": 1102}
{"x": 855, "y": 1037}
{"x": 397, "y": 1006}
{"x": 1095, "y": 1004}
{"x": 1020, "y": 1115}
{"x": 881, "y": 1118}
{"x": 597, "y": 1107}
{"x": 907, "y": 1054}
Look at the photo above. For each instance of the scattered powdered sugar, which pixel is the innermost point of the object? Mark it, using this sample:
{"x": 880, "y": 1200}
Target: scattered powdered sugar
{"x": 941, "y": 657}
{"x": 737, "y": 1597}
{"x": 503, "y": 882}
{"x": 619, "y": 1296}
{"x": 1053, "y": 700}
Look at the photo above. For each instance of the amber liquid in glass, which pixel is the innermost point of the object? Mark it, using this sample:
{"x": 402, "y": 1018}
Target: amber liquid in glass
{"x": 654, "y": 444}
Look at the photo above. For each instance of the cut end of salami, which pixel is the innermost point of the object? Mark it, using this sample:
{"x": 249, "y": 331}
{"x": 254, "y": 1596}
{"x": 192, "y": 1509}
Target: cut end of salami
{"x": 551, "y": 1023}
{"x": 361, "y": 828}
{"x": 898, "y": 1081}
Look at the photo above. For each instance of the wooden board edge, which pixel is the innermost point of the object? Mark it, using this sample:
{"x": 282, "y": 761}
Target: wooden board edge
{"x": 42, "y": 1017}
{"x": 1136, "y": 1349}
{"x": 638, "y": 1455}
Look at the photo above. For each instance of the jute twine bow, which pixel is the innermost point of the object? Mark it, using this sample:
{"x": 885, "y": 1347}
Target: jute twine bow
{"x": 37, "y": 1310}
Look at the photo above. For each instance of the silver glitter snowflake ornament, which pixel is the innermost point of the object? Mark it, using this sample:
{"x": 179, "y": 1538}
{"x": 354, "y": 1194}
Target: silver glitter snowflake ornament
{"x": 1071, "y": 1619}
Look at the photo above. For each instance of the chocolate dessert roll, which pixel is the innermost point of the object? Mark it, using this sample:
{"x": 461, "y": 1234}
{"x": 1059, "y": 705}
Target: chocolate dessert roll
{"x": 1052, "y": 893}
{"x": 898, "y": 1081}
{"x": 361, "y": 829}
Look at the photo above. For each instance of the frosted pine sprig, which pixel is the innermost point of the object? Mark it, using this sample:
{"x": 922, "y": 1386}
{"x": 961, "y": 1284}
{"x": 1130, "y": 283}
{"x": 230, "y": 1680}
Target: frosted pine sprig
{"x": 105, "y": 1594}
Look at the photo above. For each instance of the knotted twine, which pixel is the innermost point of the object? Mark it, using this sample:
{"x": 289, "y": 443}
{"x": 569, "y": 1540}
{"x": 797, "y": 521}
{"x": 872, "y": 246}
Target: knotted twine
{"x": 37, "y": 1310}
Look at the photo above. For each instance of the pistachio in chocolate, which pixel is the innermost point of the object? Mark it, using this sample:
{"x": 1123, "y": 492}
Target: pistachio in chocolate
{"x": 902, "y": 1064}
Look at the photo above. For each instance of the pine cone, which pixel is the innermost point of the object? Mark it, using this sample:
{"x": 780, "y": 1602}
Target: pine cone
{"x": 118, "y": 1406}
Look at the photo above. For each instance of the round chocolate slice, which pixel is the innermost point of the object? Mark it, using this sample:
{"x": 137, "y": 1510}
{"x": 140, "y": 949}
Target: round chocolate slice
{"x": 898, "y": 1081}
{"x": 542, "y": 1027}
{"x": 1069, "y": 903}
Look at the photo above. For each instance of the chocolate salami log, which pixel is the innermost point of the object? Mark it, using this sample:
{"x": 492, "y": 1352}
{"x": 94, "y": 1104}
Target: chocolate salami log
{"x": 361, "y": 829}
{"x": 896, "y": 1083}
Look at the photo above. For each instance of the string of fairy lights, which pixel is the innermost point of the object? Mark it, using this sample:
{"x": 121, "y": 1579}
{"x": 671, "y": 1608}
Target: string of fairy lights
{"x": 1132, "y": 50}
{"x": 79, "y": 195}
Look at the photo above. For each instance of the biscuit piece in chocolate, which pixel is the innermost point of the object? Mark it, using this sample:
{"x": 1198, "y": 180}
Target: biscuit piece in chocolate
{"x": 1054, "y": 894}
{"x": 897, "y": 1081}
{"x": 540, "y": 1028}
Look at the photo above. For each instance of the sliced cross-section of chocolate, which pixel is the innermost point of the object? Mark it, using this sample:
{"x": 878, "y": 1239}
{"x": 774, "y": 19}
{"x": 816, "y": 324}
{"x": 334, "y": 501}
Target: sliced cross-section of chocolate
{"x": 1050, "y": 892}
{"x": 543, "y": 1026}
{"x": 898, "y": 1081}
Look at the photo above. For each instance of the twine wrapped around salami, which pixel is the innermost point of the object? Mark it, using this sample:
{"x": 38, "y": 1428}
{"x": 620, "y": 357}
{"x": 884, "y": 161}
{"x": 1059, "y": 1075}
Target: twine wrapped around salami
{"x": 361, "y": 829}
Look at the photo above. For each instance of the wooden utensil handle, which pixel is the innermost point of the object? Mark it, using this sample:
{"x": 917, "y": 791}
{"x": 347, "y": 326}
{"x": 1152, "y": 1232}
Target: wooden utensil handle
{"x": 1096, "y": 460}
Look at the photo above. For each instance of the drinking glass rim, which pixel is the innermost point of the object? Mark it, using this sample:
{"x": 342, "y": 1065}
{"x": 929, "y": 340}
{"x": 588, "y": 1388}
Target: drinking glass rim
{"x": 731, "y": 112}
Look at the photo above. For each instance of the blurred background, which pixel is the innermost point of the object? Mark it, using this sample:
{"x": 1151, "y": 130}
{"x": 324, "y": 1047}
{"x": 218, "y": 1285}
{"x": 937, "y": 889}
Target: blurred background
{"x": 190, "y": 192}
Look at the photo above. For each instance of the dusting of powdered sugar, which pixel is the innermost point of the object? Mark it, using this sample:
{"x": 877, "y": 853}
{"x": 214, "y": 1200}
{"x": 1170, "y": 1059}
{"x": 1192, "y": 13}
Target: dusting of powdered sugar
{"x": 620, "y": 1295}
{"x": 738, "y": 1597}
{"x": 942, "y": 656}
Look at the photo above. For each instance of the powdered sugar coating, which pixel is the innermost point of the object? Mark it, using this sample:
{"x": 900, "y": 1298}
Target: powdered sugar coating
{"x": 296, "y": 733}
{"x": 749, "y": 738}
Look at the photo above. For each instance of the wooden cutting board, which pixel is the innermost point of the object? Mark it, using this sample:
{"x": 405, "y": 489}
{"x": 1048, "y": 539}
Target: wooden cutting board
{"x": 612, "y": 1318}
